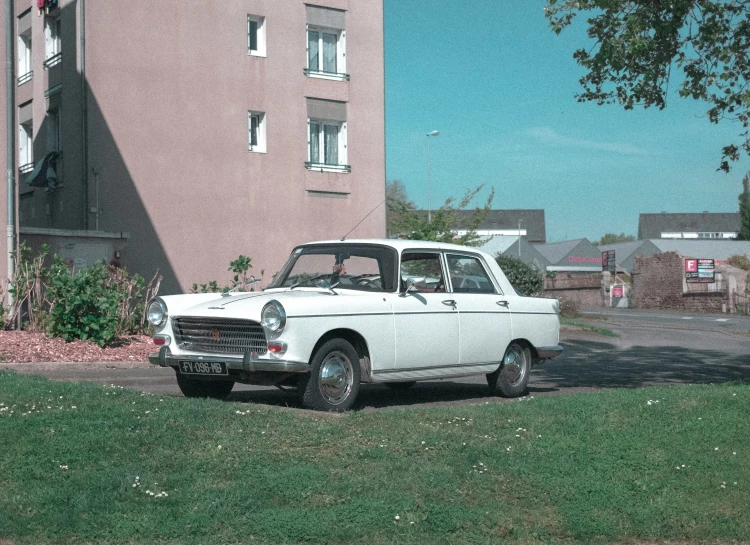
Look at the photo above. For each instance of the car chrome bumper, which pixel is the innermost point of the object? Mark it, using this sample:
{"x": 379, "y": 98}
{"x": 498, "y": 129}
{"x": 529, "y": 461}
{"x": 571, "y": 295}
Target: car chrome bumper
{"x": 248, "y": 363}
{"x": 548, "y": 352}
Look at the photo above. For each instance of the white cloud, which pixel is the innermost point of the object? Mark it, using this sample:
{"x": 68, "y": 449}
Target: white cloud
{"x": 547, "y": 136}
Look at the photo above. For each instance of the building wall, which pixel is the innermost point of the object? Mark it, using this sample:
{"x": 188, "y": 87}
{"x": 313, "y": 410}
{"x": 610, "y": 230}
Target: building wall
{"x": 580, "y": 290}
{"x": 658, "y": 283}
{"x": 169, "y": 88}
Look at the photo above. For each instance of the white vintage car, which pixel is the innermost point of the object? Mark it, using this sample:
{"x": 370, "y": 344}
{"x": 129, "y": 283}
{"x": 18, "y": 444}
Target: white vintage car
{"x": 345, "y": 312}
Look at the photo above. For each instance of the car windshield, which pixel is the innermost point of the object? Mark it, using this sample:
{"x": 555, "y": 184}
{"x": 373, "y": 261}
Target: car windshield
{"x": 345, "y": 266}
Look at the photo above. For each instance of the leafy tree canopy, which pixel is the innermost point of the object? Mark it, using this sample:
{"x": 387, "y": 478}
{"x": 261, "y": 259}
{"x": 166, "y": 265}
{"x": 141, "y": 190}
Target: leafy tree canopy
{"x": 525, "y": 278}
{"x": 637, "y": 43}
{"x": 413, "y": 224}
{"x": 612, "y": 238}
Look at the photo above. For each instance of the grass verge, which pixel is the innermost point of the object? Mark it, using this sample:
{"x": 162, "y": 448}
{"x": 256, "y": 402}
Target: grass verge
{"x": 82, "y": 463}
{"x": 585, "y": 327}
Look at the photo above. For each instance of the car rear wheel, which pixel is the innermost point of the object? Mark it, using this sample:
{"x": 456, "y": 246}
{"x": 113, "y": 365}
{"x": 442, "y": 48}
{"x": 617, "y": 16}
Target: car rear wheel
{"x": 333, "y": 381}
{"x": 512, "y": 377}
{"x": 215, "y": 389}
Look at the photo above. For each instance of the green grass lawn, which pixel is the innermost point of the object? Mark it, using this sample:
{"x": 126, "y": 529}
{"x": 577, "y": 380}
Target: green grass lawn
{"x": 82, "y": 463}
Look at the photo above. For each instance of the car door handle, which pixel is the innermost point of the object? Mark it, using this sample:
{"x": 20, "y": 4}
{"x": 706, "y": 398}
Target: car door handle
{"x": 503, "y": 303}
{"x": 450, "y": 303}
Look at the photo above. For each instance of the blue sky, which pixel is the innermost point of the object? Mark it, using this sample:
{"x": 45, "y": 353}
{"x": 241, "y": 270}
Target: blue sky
{"x": 499, "y": 85}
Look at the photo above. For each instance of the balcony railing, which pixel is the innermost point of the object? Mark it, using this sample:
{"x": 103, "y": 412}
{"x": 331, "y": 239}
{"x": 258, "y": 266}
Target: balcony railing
{"x": 53, "y": 60}
{"x": 26, "y": 77}
{"x": 325, "y": 167}
{"x": 26, "y": 168}
{"x": 328, "y": 75}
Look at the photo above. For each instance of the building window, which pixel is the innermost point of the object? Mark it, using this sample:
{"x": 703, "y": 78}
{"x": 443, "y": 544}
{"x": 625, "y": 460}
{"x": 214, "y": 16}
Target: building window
{"x": 256, "y": 35}
{"x": 326, "y": 55}
{"x": 256, "y": 122}
{"x": 52, "y": 44}
{"x": 24, "y": 50}
{"x": 25, "y": 147}
{"x": 327, "y": 145}
{"x": 53, "y": 131}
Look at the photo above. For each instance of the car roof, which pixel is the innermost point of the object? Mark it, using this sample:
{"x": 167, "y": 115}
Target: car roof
{"x": 401, "y": 245}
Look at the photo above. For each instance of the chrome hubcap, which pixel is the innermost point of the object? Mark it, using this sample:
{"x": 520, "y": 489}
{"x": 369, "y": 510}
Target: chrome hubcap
{"x": 514, "y": 370}
{"x": 336, "y": 378}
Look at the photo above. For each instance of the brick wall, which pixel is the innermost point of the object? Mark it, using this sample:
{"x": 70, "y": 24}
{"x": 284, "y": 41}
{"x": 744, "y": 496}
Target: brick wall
{"x": 583, "y": 290}
{"x": 659, "y": 283}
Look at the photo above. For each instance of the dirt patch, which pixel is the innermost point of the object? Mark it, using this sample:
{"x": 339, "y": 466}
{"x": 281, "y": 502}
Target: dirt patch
{"x": 28, "y": 347}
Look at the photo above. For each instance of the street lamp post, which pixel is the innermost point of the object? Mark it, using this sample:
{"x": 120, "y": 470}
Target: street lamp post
{"x": 519, "y": 238}
{"x": 429, "y": 180}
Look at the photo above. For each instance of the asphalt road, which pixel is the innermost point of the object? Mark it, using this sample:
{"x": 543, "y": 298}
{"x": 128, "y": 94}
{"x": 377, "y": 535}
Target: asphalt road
{"x": 652, "y": 349}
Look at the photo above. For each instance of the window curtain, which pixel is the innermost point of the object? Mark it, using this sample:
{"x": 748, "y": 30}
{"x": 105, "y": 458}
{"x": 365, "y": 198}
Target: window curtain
{"x": 331, "y": 145}
{"x": 312, "y": 50}
{"x": 329, "y": 52}
{"x": 314, "y": 142}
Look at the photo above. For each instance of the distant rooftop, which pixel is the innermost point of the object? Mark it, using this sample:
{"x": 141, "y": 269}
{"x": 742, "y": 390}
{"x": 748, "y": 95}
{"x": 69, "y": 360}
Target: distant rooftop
{"x": 655, "y": 225}
{"x": 532, "y": 221}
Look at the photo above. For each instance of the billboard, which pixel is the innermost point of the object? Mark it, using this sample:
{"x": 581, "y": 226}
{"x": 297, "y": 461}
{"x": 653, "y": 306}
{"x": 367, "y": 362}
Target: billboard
{"x": 608, "y": 261}
{"x": 699, "y": 271}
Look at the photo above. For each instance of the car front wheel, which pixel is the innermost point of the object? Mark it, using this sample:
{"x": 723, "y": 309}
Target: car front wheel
{"x": 512, "y": 377}
{"x": 333, "y": 381}
{"x": 215, "y": 389}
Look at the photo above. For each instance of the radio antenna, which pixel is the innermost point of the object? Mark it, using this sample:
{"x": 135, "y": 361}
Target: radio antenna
{"x": 363, "y": 219}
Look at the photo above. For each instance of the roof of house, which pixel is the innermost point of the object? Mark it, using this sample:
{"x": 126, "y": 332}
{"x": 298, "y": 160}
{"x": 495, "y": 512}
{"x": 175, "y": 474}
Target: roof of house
{"x": 653, "y": 225}
{"x": 623, "y": 250}
{"x": 532, "y": 221}
{"x": 554, "y": 252}
{"x": 703, "y": 249}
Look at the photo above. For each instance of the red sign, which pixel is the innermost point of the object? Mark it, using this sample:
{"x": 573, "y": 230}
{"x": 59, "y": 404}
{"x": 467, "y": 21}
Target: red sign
{"x": 691, "y": 265}
{"x": 617, "y": 291}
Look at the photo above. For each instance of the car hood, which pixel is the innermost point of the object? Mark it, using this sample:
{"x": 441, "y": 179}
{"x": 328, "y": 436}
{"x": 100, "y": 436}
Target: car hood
{"x": 296, "y": 302}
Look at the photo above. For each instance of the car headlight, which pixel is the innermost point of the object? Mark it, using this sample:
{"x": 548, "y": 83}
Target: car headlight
{"x": 157, "y": 312}
{"x": 273, "y": 316}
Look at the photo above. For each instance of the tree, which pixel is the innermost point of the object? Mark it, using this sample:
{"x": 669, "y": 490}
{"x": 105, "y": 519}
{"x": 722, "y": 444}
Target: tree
{"x": 525, "y": 278}
{"x": 612, "y": 238}
{"x": 744, "y": 199}
{"x": 637, "y": 43}
{"x": 395, "y": 198}
{"x": 414, "y": 224}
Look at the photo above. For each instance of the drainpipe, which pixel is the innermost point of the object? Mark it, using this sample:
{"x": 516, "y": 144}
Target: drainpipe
{"x": 84, "y": 115}
{"x": 10, "y": 100}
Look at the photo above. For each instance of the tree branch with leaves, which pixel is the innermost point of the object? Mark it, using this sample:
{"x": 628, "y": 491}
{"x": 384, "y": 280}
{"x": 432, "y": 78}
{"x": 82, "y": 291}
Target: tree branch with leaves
{"x": 638, "y": 43}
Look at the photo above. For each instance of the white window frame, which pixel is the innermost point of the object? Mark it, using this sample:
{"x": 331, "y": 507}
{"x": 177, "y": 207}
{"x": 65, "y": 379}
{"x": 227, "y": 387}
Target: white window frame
{"x": 25, "y": 146}
{"x": 260, "y": 146}
{"x": 320, "y": 162}
{"x": 52, "y": 41}
{"x": 24, "y": 57}
{"x": 260, "y": 36}
{"x": 318, "y": 71}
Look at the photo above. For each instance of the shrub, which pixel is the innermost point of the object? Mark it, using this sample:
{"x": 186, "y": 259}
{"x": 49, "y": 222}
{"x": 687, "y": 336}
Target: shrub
{"x": 740, "y": 261}
{"x": 525, "y": 278}
{"x": 240, "y": 280}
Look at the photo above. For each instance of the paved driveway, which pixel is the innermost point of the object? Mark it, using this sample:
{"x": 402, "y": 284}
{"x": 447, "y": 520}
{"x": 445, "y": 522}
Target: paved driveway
{"x": 649, "y": 351}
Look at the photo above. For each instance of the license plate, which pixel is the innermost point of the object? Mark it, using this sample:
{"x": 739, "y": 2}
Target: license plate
{"x": 203, "y": 368}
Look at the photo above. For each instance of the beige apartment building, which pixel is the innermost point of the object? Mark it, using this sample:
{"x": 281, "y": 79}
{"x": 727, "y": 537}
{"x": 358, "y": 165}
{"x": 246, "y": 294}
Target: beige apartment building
{"x": 178, "y": 135}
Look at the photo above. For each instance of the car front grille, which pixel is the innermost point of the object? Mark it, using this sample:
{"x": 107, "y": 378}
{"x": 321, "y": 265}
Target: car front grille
{"x": 220, "y": 335}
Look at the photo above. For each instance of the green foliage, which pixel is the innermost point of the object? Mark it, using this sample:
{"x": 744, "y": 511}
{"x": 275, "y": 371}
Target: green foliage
{"x": 740, "y": 261}
{"x": 415, "y": 224}
{"x": 240, "y": 280}
{"x": 85, "y": 305}
{"x": 83, "y": 463}
{"x": 637, "y": 43}
{"x": 525, "y": 278}
{"x": 612, "y": 238}
{"x": 99, "y": 303}
{"x": 744, "y": 199}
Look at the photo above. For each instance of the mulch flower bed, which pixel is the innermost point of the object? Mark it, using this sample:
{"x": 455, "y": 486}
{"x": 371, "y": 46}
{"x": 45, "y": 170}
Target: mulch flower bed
{"x": 28, "y": 347}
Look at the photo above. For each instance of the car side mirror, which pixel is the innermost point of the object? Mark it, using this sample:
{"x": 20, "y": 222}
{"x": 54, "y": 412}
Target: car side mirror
{"x": 410, "y": 282}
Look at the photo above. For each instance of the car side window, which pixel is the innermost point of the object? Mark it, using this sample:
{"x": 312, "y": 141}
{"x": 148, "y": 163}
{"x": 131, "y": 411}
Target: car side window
{"x": 424, "y": 270}
{"x": 468, "y": 275}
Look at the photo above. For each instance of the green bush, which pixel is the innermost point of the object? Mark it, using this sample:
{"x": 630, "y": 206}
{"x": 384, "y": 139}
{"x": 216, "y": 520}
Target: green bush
{"x": 85, "y": 304}
{"x": 525, "y": 278}
{"x": 240, "y": 280}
